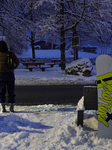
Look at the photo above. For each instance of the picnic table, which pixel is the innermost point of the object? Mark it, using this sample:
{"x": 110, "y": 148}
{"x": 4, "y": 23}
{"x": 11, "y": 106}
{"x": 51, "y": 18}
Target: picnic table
{"x": 32, "y": 65}
{"x": 56, "y": 61}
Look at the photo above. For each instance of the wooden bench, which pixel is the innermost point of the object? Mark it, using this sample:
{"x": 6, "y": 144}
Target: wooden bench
{"x": 90, "y": 49}
{"x": 43, "y": 67}
{"x": 51, "y": 64}
{"x": 33, "y": 65}
{"x": 30, "y": 69}
{"x": 90, "y": 102}
{"x": 56, "y": 61}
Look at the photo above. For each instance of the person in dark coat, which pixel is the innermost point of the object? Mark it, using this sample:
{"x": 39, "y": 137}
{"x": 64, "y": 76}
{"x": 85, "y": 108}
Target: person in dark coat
{"x": 7, "y": 78}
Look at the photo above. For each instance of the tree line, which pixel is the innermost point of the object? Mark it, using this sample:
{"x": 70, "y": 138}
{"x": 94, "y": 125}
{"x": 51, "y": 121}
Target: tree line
{"x": 23, "y": 21}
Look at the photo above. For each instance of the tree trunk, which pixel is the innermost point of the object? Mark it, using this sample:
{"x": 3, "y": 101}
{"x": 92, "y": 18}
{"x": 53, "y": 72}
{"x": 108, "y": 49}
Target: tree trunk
{"x": 75, "y": 47}
{"x": 75, "y": 53}
{"x": 33, "y": 51}
{"x": 62, "y": 45}
{"x": 62, "y": 48}
{"x": 32, "y": 45}
{"x": 32, "y": 33}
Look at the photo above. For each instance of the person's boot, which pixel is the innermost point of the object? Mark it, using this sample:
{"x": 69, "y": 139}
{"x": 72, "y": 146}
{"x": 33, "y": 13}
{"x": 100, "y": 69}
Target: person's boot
{"x": 3, "y": 107}
{"x": 11, "y": 109}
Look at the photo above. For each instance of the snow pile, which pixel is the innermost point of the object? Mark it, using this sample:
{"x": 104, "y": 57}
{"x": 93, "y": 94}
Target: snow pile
{"x": 48, "y": 127}
{"x": 92, "y": 123}
{"x": 81, "y": 66}
{"x": 80, "y": 105}
{"x": 52, "y": 76}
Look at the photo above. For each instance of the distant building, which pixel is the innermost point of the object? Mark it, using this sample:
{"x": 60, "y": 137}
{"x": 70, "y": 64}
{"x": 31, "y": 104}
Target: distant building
{"x": 44, "y": 45}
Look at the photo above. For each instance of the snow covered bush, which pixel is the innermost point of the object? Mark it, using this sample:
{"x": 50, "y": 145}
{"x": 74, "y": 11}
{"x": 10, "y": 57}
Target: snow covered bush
{"x": 81, "y": 66}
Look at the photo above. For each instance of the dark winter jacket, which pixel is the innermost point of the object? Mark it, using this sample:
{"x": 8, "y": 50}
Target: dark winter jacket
{"x": 3, "y": 58}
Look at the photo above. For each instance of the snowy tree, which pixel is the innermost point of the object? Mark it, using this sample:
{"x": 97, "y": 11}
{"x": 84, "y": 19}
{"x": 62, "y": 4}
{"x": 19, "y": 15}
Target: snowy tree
{"x": 89, "y": 19}
{"x": 31, "y": 20}
{"x": 12, "y": 24}
{"x": 35, "y": 13}
{"x": 31, "y": 15}
{"x": 23, "y": 20}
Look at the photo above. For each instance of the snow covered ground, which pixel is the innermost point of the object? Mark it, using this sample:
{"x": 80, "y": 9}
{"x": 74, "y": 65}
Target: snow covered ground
{"x": 52, "y": 75}
{"x": 50, "y": 127}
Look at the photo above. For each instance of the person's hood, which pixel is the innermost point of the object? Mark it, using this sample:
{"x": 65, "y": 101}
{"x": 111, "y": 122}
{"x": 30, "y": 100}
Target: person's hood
{"x": 3, "y": 46}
